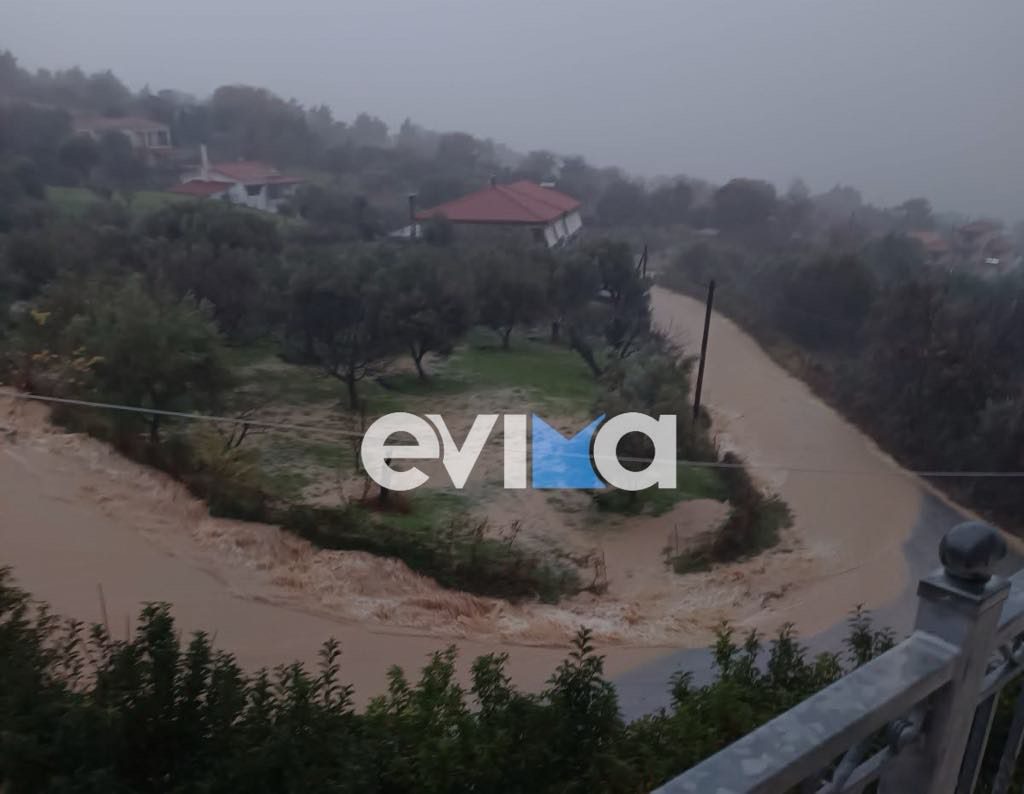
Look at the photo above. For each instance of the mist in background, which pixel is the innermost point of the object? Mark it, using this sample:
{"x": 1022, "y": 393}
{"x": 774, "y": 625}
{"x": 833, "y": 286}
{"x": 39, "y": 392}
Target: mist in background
{"x": 900, "y": 99}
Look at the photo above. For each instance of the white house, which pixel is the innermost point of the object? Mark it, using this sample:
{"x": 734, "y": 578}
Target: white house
{"x": 245, "y": 182}
{"x": 548, "y": 216}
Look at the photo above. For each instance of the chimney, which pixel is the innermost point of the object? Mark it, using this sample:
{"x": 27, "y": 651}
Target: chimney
{"x": 204, "y": 167}
{"x": 412, "y": 216}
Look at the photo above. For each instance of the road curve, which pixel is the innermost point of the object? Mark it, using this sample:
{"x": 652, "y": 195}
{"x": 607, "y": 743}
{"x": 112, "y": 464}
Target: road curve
{"x": 876, "y": 526}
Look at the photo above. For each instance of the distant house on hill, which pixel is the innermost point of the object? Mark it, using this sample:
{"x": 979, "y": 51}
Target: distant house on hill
{"x": 937, "y": 249}
{"x": 245, "y": 182}
{"x": 981, "y": 245}
{"x": 524, "y": 210}
{"x": 143, "y": 133}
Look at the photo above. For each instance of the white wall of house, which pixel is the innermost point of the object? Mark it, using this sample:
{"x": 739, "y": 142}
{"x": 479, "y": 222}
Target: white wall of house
{"x": 267, "y": 198}
{"x": 573, "y": 222}
{"x": 560, "y": 230}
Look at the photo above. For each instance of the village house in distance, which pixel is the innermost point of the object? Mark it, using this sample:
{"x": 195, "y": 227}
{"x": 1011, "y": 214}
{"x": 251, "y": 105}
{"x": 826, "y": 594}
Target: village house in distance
{"x": 533, "y": 213}
{"x": 141, "y": 133}
{"x": 246, "y": 182}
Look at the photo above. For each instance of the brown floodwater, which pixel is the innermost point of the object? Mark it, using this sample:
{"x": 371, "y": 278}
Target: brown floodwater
{"x": 854, "y": 523}
{"x": 77, "y": 519}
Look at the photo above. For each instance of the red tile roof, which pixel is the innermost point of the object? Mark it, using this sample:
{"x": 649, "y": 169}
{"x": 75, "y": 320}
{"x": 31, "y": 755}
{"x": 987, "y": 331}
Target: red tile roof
{"x": 932, "y": 241}
{"x": 978, "y": 227}
{"x": 251, "y": 172}
{"x": 520, "y": 202}
{"x": 200, "y": 187}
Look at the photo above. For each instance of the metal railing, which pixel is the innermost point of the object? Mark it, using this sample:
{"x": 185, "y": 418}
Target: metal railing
{"x": 916, "y": 719}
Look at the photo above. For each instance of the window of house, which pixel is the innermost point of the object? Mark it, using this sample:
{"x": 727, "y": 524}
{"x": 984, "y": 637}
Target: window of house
{"x": 253, "y": 190}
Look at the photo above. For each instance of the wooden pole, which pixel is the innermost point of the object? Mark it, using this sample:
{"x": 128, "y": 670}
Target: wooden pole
{"x": 703, "y": 350}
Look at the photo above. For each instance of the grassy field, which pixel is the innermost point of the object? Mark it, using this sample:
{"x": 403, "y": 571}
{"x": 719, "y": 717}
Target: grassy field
{"x": 542, "y": 375}
{"x": 77, "y": 200}
{"x": 479, "y": 376}
{"x": 532, "y": 375}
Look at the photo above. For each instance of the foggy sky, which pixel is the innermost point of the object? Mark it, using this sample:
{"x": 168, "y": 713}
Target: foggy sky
{"x": 896, "y": 97}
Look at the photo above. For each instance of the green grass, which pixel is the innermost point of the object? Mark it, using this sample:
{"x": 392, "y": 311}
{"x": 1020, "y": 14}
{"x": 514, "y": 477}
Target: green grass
{"x": 691, "y": 483}
{"x": 281, "y": 450}
{"x": 429, "y": 510}
{"x": 545, "y": 376}
{"x": 288, "y": 384}
{"x": 77, "y": 200}
{"x": 145, "y": 201}
{"x": 286, "y": 483}
{"x": 550, "y": 374}
{"x": 400, "y": 392}
{"x": 72, "y": 200}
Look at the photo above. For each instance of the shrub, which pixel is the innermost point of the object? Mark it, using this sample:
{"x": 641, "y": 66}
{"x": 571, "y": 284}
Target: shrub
{"x": 753, "y": 523}
{"x": 83, "y": 712}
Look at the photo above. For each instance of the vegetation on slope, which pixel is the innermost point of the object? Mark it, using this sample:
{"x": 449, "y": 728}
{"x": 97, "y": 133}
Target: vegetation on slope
{"x": 926, "y": 360}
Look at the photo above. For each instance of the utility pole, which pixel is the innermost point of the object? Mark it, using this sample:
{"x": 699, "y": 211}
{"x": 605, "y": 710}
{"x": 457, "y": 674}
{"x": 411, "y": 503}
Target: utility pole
{"x": 703, "y": 351}
{"x": 641, "y": 265}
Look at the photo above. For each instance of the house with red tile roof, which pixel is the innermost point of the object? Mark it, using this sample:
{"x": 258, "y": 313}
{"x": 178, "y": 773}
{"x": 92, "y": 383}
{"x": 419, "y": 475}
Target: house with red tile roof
{"x": 937, "y": 249}
{"x": 248, "y": 182}
{"x": 537, "y": 212}
{"x": 982, "y": 246}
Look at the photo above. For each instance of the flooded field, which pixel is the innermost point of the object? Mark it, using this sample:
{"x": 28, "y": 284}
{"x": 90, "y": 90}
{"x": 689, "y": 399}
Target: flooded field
{"x": 96, "y": 535}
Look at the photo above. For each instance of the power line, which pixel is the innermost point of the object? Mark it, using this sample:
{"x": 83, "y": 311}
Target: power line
{"x": 233, "y": 420}
{"x": 706, "y": 464}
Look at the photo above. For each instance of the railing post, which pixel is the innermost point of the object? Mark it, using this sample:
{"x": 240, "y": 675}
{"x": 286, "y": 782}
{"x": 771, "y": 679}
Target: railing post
{"x": 959, "y": 603}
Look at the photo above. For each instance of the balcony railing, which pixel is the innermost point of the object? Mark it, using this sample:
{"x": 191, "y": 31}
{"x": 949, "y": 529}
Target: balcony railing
{"x": 915, "y": 719}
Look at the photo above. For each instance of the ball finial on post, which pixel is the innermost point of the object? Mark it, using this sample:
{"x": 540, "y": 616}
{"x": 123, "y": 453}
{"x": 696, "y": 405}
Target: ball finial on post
{"x": 969, "y": 552}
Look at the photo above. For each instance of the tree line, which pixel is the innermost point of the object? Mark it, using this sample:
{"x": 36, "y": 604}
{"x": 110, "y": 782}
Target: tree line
{"x": 927, "y": 360}
{"x": 370, "y": 168}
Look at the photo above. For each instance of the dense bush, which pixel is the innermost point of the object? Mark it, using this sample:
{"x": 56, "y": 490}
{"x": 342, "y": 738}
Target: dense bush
{"x": 83, "y": 712}
{"x": 752, "y": 525}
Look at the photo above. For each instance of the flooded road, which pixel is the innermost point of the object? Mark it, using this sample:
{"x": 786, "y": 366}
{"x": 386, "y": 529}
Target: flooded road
{"x": 875, "y": 528}
{"x": 853, "y": 506}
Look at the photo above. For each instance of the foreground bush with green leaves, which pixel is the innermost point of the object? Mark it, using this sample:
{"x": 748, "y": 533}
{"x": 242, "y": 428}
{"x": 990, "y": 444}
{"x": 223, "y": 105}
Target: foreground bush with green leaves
{"x": 83, "y": 712}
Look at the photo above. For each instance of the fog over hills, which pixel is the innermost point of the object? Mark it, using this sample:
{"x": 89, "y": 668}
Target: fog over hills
{"x": 899, "y": 99}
